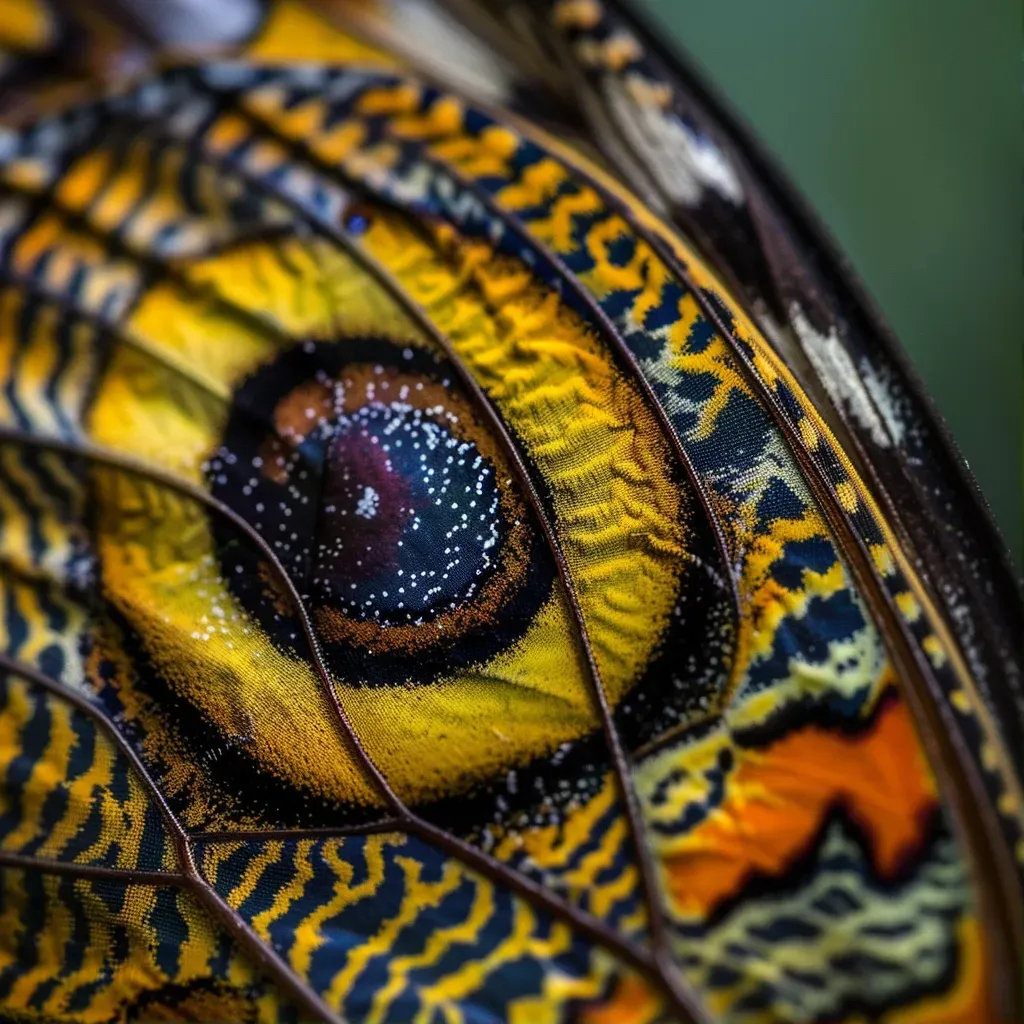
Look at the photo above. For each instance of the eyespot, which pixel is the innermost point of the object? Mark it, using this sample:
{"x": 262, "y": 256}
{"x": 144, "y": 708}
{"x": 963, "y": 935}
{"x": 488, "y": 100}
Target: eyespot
{"x": 290, "y": 386}
{"x": 374, "y": 482}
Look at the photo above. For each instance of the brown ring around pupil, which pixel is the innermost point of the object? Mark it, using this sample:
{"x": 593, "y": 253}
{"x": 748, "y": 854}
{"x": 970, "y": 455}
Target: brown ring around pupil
{"x": 353, "y": 465}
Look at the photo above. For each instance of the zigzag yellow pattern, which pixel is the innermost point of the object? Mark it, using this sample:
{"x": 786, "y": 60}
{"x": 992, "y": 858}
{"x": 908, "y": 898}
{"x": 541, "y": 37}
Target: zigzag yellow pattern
{"x": 53, "y": 756}
{"x": 125, "y": 964}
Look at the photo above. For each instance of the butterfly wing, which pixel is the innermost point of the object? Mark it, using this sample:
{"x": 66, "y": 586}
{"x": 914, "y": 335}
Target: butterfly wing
{"x": 429, "y": 593}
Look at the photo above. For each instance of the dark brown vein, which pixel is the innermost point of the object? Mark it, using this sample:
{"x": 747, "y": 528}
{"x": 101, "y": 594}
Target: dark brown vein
{"x": 98, "y": 872}
{"x": 285, "y": 834}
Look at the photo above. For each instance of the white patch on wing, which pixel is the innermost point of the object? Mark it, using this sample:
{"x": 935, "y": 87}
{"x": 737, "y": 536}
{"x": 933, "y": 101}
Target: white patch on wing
{"x": 432, "y": 39}
{"x": 684, "y": 165}
{"x": 885, "y": 401}
{"x": 848, "y": 388}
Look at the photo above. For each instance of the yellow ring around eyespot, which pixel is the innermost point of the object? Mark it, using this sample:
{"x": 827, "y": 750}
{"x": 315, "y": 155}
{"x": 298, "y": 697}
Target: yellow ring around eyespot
{"x": 434, "y": 740}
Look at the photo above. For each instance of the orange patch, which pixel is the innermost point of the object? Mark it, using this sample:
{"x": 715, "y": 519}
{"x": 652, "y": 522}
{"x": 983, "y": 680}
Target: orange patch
{"x": 779, "y": 798}
{"x": 633, "y": 1002}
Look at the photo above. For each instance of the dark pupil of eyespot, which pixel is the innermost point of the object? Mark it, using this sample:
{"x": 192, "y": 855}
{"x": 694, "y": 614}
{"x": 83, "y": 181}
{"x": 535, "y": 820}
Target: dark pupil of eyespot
{"x": 408, "y": 518}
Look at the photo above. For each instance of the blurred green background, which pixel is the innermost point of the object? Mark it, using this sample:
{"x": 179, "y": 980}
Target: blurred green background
{"x": 900, "y": 120}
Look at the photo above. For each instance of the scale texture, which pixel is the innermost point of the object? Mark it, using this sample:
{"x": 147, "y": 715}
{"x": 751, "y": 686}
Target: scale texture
{"x": 431, "y": 588}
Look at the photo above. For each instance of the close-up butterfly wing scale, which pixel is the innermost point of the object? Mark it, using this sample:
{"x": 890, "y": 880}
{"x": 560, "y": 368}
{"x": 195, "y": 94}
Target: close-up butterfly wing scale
{"x": 469, "y": 551}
